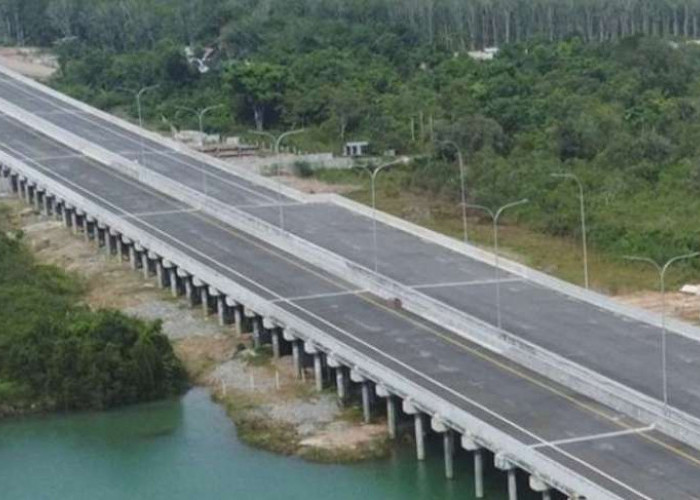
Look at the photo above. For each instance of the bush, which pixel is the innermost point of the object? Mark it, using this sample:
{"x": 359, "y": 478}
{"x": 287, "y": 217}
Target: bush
{"x": 59, "y": 354}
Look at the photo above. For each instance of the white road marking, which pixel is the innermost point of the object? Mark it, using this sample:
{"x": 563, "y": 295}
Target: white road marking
{"x": 319, "y": 296}
{"x": 465, "y": 283}
{"x": 162, "y": 212}
{"x": 595, "y": 437}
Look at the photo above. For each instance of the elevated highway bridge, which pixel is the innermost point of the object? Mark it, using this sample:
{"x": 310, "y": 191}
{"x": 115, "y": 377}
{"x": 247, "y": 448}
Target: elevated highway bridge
{"x": 567, "y": 392}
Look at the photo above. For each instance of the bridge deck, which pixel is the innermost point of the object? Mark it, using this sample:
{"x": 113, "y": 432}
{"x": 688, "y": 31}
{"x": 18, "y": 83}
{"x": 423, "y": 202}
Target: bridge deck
{"x": 621, "y": 348}
{"x": 594, "y": 441}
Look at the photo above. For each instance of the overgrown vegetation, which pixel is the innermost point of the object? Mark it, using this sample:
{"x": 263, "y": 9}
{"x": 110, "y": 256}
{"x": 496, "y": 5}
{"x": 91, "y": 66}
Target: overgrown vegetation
{"x": 55, "y": 354}
{"x": 607, "y": 90}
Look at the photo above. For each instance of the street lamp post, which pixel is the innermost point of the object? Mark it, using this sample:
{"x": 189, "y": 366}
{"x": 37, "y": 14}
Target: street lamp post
{"x": 276, "y": 142}
{"x": 138, "y": 94}
{"x": 200, "y": 116}
{"x": 373, "y": 177}
{"x": 462, "y": 180}
{"x": 583, "y": 222}
{"x": 662, "y": 285}
{"x": 495, "y": 217}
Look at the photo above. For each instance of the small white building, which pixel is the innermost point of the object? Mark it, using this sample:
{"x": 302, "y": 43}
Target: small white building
{"x": 356, "y": 148}
{"x": 488, "y": 54}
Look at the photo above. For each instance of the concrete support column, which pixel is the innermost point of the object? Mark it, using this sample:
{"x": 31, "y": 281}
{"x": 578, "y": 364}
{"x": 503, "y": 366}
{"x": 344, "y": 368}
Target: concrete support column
{"x": 109, "y": 242}
{"x": 205, "y": 297}
{"x": 121, "y": 248}
{"x": 257, "y": 332}
{"x": 479, "y": 473}
{"x": 420, "y": 436}
{"x": 39, "y": 200}
{"x": 238, "y": 319}
{"x": 174, "y": 289}
{"x": 275, "y": 334}
{"x": 133, "y": 258}
{"x": 222, "y": 310}
{"x": 65, "y": 213}
{"x": 537, "y": 484}
{"x": 341, "y": 384}
{"x": 512, "y": 485}
{"x": 74, "y": 221}
{"x": 145, "y": 265}
{"x": 318, "y": 371}
{"x": 161, "y": 275}
{"x": 296, "y": 357}
{"x": 469, "y": 444}
{"x": 86, "y": 229}
{"x": 47, "y": 205}
{"x": 502, "y": 463}
{"x": 391, "y": 416}
{"x": 190, "y": 291}
{"x": 448, "y": 442}
{"x": 366, "y": 402}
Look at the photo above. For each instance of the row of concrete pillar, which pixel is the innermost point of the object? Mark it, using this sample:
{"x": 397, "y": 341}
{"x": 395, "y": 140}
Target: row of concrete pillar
{"x": 304, "y": 353}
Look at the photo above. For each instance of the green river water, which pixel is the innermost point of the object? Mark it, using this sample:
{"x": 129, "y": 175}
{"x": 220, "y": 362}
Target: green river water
{"x": 187, "y": 449}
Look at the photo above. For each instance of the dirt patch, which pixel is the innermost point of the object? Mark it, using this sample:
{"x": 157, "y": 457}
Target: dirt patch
{"x": 271, "y": 408}
{"x": 680, "y": 305}
{"x": 29, "y": 61}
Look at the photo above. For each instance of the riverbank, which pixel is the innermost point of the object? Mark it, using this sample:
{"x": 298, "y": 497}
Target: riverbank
{"x": 271, "y": 409}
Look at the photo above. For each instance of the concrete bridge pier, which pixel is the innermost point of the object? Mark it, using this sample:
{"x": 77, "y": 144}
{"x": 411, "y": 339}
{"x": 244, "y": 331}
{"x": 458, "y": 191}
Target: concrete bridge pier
{"x": 175, "y": 288}
{"x": 110, "y": 242}
{"x": 48, "y": 202}
{"x": 410, "y": 409}
{"x": 39, "y": 200}
{"x": 448, "y": 444}
{"x": 539, "y": 485}
{"x": 365, "y": 391}
{"x": 238, "y": 318}
{"x": 133, "y": 257}
{"x": 383, "y": 392}
{"x": 257, "y": 331}
{"x": 65, "y": 215}
{"x": 312, "y": 350}
{"x": 222, "y": 310}
{"x": 162, "y": 274}
{"x": 469, "y": 444}
{"x": 122, "y": 250}
{"x": 296, "y": 357}
{"x": 204, "y": 300}
{"x": 276, "y": 346}
{"x": 89, "y": 229}
{"x": 145, "y": 265}
{"x": 341, "y": 382}
{"x": 212, "y": 304}
{"x": 75, "y": 221}
{"x": 502, "y": 463}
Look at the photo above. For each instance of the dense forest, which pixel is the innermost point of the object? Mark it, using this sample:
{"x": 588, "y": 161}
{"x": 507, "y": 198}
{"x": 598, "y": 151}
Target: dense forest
{"x": 55, "y": 354}
{"x": 451, "y": 24}
{"x": 609, "y": 90}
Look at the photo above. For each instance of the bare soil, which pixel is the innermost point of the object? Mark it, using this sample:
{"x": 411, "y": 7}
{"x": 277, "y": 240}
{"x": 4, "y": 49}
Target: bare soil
{"x": 680, "y": 305}
{"x": 253, "y": 387}
{"x": 29, "y": 61}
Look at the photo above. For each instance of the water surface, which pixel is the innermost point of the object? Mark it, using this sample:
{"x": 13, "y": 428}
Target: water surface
{"x": 188, "y": 449}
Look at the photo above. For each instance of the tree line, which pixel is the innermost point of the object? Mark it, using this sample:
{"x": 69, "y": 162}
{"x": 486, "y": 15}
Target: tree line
{"x": 451, "y": 24}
